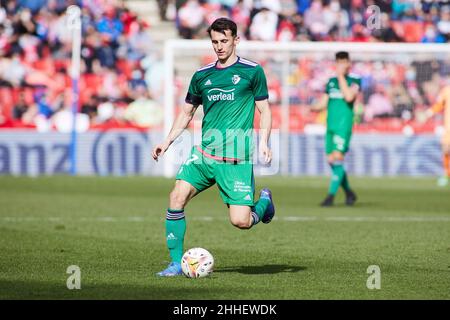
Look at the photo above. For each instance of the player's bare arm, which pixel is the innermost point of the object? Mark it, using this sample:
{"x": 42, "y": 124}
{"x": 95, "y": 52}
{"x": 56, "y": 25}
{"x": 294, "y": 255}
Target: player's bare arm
{"x": 321, "y": 104}
{"x": 265, "y": 128}
{"x": 349, "y": 92}
{"x": 181, "y": 122}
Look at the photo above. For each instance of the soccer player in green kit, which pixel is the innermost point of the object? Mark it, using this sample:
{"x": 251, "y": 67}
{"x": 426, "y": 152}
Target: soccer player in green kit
{"x": 340, "y": 95}
{"x": 228, "y": 90}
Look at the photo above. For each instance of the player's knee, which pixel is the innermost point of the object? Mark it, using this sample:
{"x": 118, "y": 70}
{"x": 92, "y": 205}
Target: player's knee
{"x": 335, "y": 157}
{"x": 177, "y": 199}
{"x": 241, "y": 223}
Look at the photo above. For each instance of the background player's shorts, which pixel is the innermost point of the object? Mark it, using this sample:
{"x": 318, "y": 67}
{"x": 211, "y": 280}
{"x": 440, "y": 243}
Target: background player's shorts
{"x": 235, "y": 181}
{"x": 337, "y": 141}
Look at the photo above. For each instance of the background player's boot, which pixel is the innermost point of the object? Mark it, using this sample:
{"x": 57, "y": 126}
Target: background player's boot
{"x": 174, "y": 269}
{"x": 350, "y": 198}
{"x": 328, "y": 202}
{"x": 442, "y": 181}
{"x": 270, "y": 211}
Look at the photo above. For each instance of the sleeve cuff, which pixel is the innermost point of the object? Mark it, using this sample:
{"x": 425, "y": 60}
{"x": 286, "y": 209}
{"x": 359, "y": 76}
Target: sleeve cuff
{"x": 193, "y": 99}
{"x": 262, "y": 97}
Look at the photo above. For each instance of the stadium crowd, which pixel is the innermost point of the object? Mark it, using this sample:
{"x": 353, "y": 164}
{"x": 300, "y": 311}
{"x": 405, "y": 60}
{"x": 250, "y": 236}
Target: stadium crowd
{"x": 119, "y": 75}
{"x": 321, "y": 20}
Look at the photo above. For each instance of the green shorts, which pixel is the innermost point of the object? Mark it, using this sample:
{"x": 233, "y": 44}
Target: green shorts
{"x": 337, "y": 140}
{"x": 235, "y": 180}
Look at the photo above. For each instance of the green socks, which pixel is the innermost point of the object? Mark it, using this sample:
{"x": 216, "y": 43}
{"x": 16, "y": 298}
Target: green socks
{"x": 259, "y": 209}
{"x": 345, "y": 184}
{"x": 337, "y": 177}
{"x": 175, "y": 231}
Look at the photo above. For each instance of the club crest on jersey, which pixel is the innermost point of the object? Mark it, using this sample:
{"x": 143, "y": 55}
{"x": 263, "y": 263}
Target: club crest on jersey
{"x": 235, "y": 79}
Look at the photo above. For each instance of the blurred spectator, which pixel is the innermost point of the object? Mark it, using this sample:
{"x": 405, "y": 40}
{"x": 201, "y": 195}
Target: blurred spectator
{"x": 264, "y": 25}
{"x": 144, "y": 111}
{"x": 105, "y": 111}
{"x": 90, "y": 107}
{"x": 227, "y": 4}
{"x": 443, "y": 25}
{"x": 379, "y": 105}
{"x": 44, "y": 107}
{"x": 271, "y": 5}
{"x": 432, "y": 36}
{"x": 162, "y": 5}
{"x": 401, "y": 7}
{"x": 12, "y": 70}
{"x": 154, "y": 76}
{"x": 240, "y": 13}
{"x": 400, "y": 98}
{"x": 359, "y": 34}
{"x": 302, "y": 6}
{"x": 286, "y": 31}
{"x": 139, "y": 41}
{"x": 288, "y": 8}
{"x": 20, "y": 107}
{"x": 32, "y": 5}
{"x": 315, "y": 20}
{"x": 191, "y": 16}
{"x": 137, "y": 79}
{"x": 63, "y": 121}
{"x": 110, "y": 25}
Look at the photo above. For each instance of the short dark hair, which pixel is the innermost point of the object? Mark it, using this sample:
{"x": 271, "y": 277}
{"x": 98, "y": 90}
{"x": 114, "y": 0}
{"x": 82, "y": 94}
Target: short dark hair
{"x": 222, "y": 24}
{"x": 341, "y": 55}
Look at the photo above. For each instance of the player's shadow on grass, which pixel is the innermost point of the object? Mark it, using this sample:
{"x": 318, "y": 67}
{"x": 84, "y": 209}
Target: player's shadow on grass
{"x": 148, "y": 289}
{"x": 264, "y": 269}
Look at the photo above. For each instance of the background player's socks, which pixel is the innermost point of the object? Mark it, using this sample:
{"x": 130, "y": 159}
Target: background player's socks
{"x": 175, "y": 231}
{"x": 446, "y": 164}
{"x": 336, "y": 178}
{"x": 350, "y": 196}
{"x": 345, "y": 184}
{"x": 260, "y": 208}
{"x": 443, "y": 180}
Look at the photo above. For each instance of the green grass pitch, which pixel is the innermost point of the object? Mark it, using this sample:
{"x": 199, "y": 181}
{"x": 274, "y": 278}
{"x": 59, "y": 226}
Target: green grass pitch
{"x": 113, "y": 229}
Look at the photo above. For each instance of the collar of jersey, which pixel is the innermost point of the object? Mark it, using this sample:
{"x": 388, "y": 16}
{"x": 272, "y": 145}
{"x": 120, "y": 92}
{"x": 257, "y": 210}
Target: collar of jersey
{"x": 215, "y": 66}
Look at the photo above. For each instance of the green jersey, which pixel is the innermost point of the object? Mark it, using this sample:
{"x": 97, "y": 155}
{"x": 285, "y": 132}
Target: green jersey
{"x": 228, "y": 98}
{"x": 340, "y": 112}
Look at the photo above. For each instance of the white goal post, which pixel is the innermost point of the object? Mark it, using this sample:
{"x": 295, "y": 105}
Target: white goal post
{"x": 284, "y": 53}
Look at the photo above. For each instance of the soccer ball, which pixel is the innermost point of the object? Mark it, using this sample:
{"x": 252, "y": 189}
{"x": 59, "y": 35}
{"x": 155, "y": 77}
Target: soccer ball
{"x": 197, "y": 263}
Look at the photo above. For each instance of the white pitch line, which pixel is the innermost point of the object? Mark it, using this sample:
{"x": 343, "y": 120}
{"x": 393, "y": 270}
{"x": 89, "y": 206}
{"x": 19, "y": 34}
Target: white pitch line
{"x": 211, "y": 219}
{"x": 296, "y": 218}
{"x": 388, "y": 219}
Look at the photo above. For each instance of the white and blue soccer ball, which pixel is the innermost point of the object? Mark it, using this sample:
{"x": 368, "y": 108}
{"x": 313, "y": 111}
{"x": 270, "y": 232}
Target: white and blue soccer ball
{"x": 197, "y": 263}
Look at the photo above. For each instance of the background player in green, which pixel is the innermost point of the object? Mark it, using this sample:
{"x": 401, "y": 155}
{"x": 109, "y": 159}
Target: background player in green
{"x": 340, "y": 94}
{"x": 228, "y": 90}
